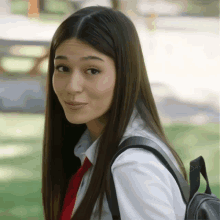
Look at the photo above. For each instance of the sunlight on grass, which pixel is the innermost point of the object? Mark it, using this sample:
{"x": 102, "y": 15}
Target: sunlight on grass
{"x": 20, "y": 211}
{"x": 12, "y": 151}
{"x": 9, "y": 173}
{"x": 21, "y": 126}
{"x": 192, "y": 141}
{"x": 21, "y": 160}
{"x": 25, "y": 211}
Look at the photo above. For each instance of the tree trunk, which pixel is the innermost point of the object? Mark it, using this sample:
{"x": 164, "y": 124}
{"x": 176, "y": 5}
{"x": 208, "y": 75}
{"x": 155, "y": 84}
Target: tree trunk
{"x": 116, "y": 4}
{"x": 41, "y": 5}
{"x": 33, "y": 8}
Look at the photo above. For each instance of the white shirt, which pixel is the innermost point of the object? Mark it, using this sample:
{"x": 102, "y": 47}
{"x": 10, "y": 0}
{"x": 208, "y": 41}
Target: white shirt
{"x": 145, "y": 188}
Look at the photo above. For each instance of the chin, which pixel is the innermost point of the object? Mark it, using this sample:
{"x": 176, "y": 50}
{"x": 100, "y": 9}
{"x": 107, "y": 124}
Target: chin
{"x": 78, "y": 122}
{"x": 75, "y": 120}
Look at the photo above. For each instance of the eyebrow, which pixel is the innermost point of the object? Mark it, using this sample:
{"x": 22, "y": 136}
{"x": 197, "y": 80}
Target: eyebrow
{"x": 82, "y": 58}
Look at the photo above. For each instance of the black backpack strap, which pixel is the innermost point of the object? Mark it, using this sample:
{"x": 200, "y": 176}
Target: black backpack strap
{"x": 197, "y": 166}
{"x": 141, "y": 142}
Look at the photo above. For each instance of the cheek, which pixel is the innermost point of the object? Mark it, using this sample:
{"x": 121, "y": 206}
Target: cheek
{"x": 57, "y": 84}
{"x": 102, "y": 94}
{"x": 105, "y": 85}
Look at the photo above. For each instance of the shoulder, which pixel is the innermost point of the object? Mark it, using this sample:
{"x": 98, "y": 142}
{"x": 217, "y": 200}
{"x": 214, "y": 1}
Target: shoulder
{"x": 136, "y": 156}
{"x": 140, "y": 178}
{"x": 142, "y": 164}
{"x": 143, "y": 157}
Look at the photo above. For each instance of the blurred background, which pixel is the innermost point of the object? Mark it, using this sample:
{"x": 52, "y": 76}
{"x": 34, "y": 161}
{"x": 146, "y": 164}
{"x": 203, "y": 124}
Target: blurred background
{"x": 180, "y": 42}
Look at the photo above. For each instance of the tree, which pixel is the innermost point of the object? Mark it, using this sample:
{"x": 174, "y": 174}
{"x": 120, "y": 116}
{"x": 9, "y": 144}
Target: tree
{"x": 33, "y": 8}
{"x": 116, "y": 4}
{"x": 41, "y": 5}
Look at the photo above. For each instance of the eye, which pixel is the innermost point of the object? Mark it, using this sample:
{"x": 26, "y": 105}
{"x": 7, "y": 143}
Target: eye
{"x": 59, "y": 66}
{"x": 94, "y": 71}
{"x": 66, "y": 69}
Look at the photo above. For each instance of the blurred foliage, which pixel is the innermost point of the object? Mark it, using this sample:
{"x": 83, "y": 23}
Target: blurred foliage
{"x": 19, "y": 7}
{"x": 51, "y": 6}
{"x": 194, "y": 7}
{"x": 204, "y": 8}
{"x": 203, "y": 2}
{"x": 58, "y": 7}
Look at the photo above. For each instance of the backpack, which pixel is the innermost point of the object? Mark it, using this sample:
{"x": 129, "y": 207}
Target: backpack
{"x": 205, "y": 206}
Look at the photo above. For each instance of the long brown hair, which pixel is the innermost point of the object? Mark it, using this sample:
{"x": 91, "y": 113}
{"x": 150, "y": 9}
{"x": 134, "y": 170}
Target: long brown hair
{"x": 112, "y": 33}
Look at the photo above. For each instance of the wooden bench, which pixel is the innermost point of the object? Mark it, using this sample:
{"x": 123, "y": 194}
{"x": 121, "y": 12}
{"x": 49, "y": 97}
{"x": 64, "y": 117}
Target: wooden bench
{"x": 5, "y": 46}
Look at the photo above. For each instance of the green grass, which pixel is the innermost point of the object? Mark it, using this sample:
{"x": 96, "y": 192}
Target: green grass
{"x": 21, "y": 160}
{"x": 192, "y": 141}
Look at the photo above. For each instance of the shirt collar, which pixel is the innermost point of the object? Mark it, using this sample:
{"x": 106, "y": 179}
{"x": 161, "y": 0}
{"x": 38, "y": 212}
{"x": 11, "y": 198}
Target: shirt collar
{"x": 85, "y": 147}
{"x": 136, "y": 126}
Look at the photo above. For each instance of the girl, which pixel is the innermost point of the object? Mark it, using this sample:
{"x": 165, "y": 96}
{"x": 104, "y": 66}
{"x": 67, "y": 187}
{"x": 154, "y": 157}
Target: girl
{"x": 96, "y": 60}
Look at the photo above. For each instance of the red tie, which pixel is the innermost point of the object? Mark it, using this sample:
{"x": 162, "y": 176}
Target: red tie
{"x": 73, "y": 187}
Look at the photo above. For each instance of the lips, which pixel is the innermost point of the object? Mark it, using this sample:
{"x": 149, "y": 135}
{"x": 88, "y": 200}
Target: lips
{"x": 75, "y": 103}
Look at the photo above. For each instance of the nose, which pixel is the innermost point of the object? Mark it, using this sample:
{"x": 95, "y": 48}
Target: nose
{"x": 75, "y": 82}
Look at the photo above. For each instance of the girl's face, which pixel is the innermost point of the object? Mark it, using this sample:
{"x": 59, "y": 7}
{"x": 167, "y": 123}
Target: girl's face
{"x": 80, "y": 77}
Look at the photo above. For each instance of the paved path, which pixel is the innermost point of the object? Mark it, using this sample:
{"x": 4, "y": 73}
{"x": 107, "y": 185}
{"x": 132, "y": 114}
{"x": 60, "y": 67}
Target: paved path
{"x": 182, "y": 56}
{"x": 183, "y": 64}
